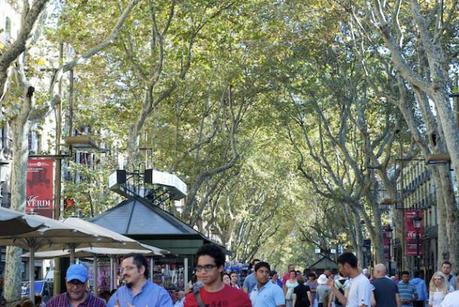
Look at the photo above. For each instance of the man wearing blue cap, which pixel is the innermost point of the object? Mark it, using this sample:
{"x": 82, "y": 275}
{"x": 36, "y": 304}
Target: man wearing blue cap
{"x": 77, "y": 295}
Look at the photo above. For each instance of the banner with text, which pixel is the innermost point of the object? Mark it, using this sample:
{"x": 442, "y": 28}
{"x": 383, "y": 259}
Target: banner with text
{"x": 413, "y": 236}
{"x": 386, "y": 244}
{"x": 40, "y": 186}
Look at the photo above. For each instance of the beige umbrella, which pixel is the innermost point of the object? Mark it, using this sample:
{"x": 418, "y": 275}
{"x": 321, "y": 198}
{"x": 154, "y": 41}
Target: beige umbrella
{"x": 50, "y": 235}
{"x": 94, "y": 252}
{"x": 119, "y": 241}
{"x": 127, "y": 243}
{"x": 91, "y": 251}
{"x": 14, "y": 222}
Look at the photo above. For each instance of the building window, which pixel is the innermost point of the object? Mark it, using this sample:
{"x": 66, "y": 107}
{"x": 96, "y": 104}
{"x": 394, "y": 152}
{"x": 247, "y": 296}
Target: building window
{"x": 34, "y": 139}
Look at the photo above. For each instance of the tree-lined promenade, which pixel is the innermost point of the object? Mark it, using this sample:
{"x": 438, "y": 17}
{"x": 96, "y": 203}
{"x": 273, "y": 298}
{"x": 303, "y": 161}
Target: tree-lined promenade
{"x": 290, "y": 121}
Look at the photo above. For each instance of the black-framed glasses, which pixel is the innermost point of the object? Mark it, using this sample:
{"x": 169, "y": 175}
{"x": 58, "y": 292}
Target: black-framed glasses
{"x": 206, "y": 268}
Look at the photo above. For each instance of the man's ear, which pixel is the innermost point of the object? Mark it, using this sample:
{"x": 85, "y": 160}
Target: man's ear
{"x": 221, "y": 268}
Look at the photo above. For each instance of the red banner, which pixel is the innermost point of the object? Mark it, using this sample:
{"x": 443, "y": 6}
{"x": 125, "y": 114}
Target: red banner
{"x": 40, "y": 183}
{"x": 386, "y": 244}
{"x": 413, "y": 236}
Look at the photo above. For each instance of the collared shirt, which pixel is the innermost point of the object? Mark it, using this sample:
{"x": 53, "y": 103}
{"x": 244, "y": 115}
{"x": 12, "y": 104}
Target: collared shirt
{"x": 407, "y": 293}
{"x": 269, "y": 295}
{"x": 150, "y": 295}
{"x": 250, "y": 282}
{"x": 451, "y": 281}
{"x": 277, "y": 282}
{"x": 63, "y": 300}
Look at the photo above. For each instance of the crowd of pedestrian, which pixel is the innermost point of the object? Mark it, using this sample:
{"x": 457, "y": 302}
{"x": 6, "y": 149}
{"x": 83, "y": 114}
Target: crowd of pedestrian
{"x": 262, "y": 287}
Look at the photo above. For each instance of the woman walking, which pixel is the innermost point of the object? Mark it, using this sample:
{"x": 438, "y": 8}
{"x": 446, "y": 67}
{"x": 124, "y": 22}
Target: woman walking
{"x": 302, "y": 296}
{"x": 289, "y": 286}
{"x": 323, "y": 291}
{"x": 438, "y": 288}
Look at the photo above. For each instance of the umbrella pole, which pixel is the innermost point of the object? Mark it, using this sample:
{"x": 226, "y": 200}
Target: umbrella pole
{"x": 112, "y": 274}
{"x": 152, "y": 265}
{"x": 72, "y": 255}
{"x": 185, "y": 273}
{"x": 94, "y": 266}
{"x": 32, "y": 274}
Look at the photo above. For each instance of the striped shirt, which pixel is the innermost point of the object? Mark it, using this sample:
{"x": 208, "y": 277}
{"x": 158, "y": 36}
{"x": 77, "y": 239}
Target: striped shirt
{"x": 62, "y": 300}
{"x": 407, "y": 293}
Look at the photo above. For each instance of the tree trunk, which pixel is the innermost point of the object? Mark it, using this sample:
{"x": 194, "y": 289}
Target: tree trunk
{"x": 442, "y": 239}
{"x": 445, "y": 188}
{"x": 358, "y": 236}
{"x": 400, "y": 236}
{"x": 449, "y": 126}
{"x": 377, "y": 235}
{"x": 20, "y": 148}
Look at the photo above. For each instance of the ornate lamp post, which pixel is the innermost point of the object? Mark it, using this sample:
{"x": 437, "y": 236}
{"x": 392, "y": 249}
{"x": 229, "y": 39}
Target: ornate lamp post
{"x": 417, "y": 223}
{"x": 388, "y": 229}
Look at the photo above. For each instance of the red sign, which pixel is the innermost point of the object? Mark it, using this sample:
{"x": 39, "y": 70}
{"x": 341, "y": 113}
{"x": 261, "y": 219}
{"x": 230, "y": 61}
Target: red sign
{"x": 413, "y": 236}
{"x": 386, "y": 244}
{"x": 40, "y": 183}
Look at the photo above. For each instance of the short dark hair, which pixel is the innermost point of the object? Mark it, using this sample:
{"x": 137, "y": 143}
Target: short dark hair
{"x": 254, "y": 260}
{"x": 417, "y": 273}
{"x": 312, "y": 274}
{"x": 405, "y": 273}
{"x": 273, "y": 273}
{"x": 139, "y": 260}
{"x": 214, "y": 251}
{"x": 348, "y": 258}
{"x": 446, "y": 262}
{"x": 262, "y": 264}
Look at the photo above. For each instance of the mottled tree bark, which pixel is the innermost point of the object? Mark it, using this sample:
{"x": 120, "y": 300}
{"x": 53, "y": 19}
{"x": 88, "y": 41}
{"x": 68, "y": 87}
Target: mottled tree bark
{"x": 19, "y": 126}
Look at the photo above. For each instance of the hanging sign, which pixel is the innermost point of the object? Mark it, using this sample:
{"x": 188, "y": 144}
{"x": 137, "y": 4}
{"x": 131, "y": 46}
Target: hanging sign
{"x": 413, "y": 236}
{"x": 40, "y": 187}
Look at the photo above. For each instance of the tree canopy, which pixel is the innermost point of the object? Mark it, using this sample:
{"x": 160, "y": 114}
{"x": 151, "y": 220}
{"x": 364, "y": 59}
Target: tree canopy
{"x": 284, "y": 118}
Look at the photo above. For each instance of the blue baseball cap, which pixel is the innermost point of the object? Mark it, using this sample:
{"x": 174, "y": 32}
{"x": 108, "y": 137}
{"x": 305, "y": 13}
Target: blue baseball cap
{"x": 77, "y": 272}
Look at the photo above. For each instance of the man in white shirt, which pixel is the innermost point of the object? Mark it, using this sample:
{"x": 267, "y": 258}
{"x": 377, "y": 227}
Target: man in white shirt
{"x": 360, "y": 288}
{"x": 451, "y": 299}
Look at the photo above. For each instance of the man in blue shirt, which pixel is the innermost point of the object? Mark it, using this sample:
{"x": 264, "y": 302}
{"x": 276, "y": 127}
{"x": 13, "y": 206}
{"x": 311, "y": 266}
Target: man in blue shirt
{"x": 138, "y": 291}
{"x": 451, "y": 278}
{"x": 275, "y": 279}
{"x": 406, "y": 291}
{"x": 250, "y": 282}
{"x": 421, "y": 289}
{"x": 265, "y": 293}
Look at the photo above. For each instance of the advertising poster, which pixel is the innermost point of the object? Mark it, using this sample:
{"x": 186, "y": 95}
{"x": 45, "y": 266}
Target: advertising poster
{"x": 412, "y": 234}
{"x": 103, "y": 276}
{"x": 386, "y": 244}
{"x": 39, "y": 187}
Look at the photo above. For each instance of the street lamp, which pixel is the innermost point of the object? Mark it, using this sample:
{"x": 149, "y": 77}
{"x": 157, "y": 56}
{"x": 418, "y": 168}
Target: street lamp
{"x": 388, "y": 230}
{"x": 417, "y": 223}
{"x": 441, "y": 158}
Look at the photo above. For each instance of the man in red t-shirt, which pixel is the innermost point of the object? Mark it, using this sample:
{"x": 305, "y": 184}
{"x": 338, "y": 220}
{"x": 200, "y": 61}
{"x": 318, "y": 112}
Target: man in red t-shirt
{"x": 210, "y": 264}
{"x": 291, "y": 267}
